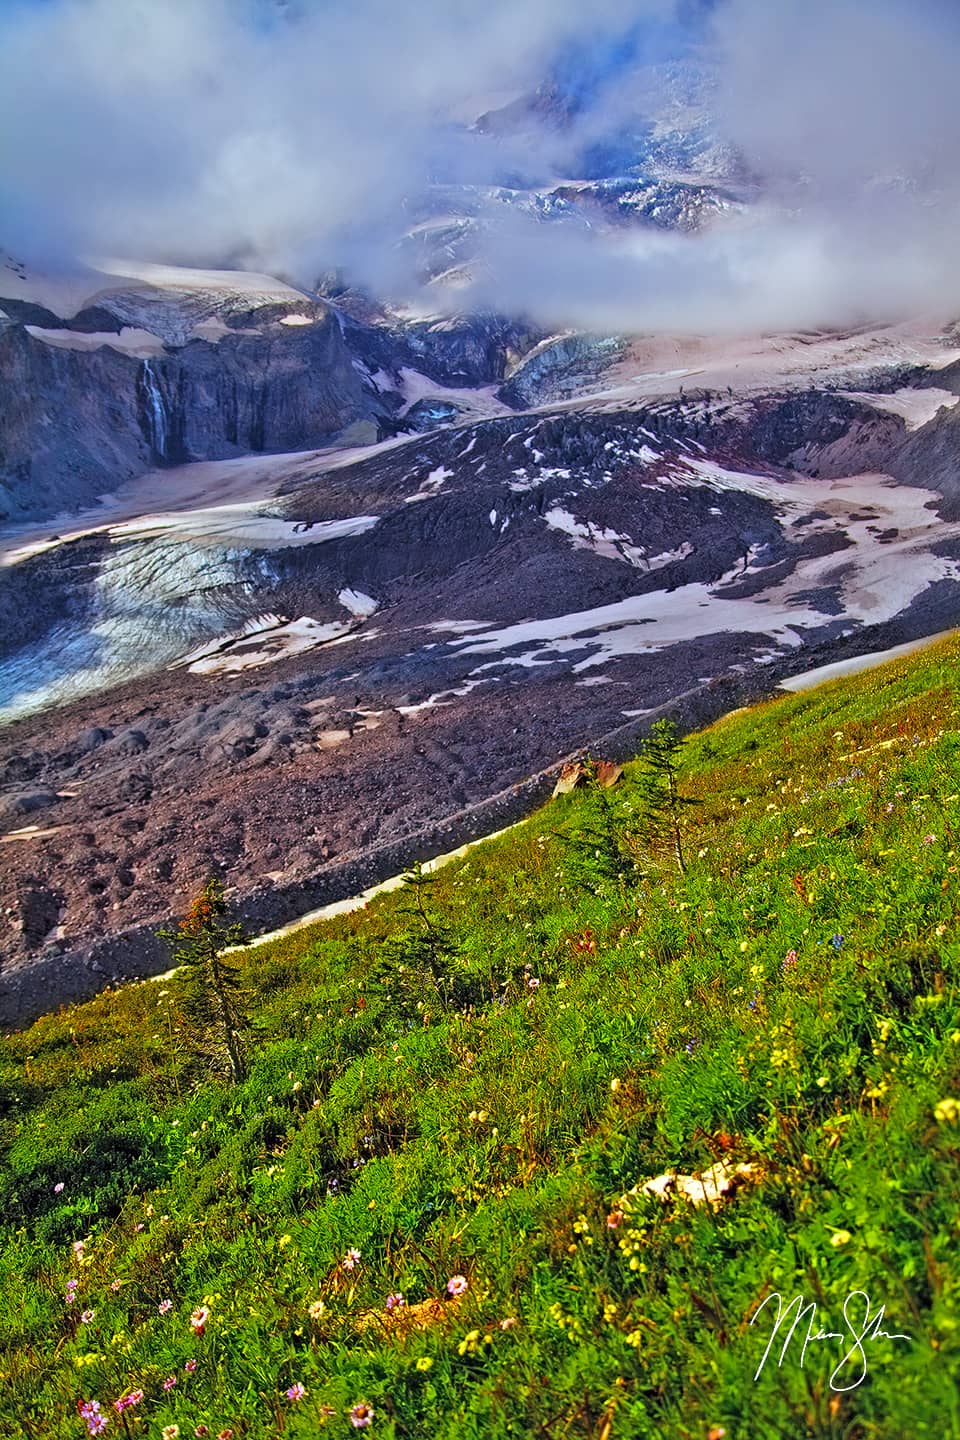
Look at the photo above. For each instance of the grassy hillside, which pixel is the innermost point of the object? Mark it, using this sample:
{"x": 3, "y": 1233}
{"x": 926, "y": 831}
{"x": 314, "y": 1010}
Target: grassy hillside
{"x": 465, "y": 1101}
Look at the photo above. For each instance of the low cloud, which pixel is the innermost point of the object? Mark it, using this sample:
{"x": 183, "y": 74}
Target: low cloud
{"x": 291, "y": 137}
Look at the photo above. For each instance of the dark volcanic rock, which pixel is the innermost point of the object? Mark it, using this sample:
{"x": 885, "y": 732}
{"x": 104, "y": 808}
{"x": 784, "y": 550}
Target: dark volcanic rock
{"x": 25, "y": 802}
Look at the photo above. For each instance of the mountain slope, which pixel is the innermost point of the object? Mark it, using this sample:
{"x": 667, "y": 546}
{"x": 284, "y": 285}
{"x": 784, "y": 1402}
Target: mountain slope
{"x": 790, "y": 1005}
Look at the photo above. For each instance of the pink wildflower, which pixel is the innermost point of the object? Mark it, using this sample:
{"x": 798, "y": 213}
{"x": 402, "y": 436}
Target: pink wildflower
{"x": 165, "y": 1307}
{"x": 225, "y": 1434}
{"x": 361, "y": 1416}
{"x": 296, "y": 1392}
{"x": 457, "y": 1284}
{"x": 87, "y": 1316}
{"x": 58, "y": 1188}
{"x": 614, "y": 1219}
{"x": 170, "y": 1381}
{"x": 394, "y": 1300}
{"x": 199, "y": 1318}
{"x": 190, "y": 1366}
{"x": 533, "y": 983}
{"x": 350, "y": 1259}
{"x": 126, "y": 1402}
{"x": 115, "y": 1285}
{"x": 202, "y": 1430}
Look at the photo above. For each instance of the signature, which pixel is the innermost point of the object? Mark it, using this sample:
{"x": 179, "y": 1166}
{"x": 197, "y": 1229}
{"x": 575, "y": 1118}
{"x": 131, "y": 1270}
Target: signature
{"x": 862, "y": 1326}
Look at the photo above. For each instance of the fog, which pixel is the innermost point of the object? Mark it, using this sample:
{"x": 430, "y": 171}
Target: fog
{"x": 296, "y": 138}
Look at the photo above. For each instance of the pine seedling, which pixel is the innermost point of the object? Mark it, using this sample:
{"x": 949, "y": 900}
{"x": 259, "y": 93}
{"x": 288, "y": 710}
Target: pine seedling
{"x": 659, "y": 801}
{"x": 210, "y": 988}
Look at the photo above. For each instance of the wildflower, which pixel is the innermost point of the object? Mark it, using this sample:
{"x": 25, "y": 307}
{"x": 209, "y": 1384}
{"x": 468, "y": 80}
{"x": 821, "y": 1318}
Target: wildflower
{"x": 350, "y": 1259}
{"x": 170, "y": 1381}
{"x": 72, "y": 1284}
{"x": 716, "y": 1432}
{"x": 837, "y": 942}
{"x": 424, "y": 1363}
{"x": 457, "y": 1284}
{"x": 190, "y": 1366}
{"x": 789, "y": 960}
{"x": 361, "y": 1416}
{"x": 165, "y": 1307}
{"x": 533, "y": 983}
{"x": 139, "y": 1226}
{"x": 126, "y": 1402}
{"x": 296, "y": 1392}
{"x": 87, "y": 1316}
{"x": 201, "y": 1430}
{"x": 199, "y": 1318}
{"x": 78, "y": 1249}
{"x": 947, "y": 1111}
{"x": 170, "y": 1432}
{"x": 58, "y": 1188}
{"x": 115, "y": 1285}
{"x": 393, "y": 1301}
{"x": 225, "y": 1434}
{"x": 840, "y": 1237}
{"x": 508, "y": 1323}
{"x": 316, "y": 1310}
{"x": 90, "y": 1412}
{"x": 929, "y": 839}
{"x": 614, "y": 1219}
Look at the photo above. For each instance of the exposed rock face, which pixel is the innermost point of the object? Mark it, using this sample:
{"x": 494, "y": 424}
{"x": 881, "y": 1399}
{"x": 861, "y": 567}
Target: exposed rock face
{"x": 70, "y": 425}
{"x": 459, "y": 350}
{"x": 77, "y": 422}
{"x": 557, "y": 368}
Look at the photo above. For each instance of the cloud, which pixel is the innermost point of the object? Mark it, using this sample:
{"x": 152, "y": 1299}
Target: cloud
{"x": 291, "y": 137}
{"x": 208, "y": 128}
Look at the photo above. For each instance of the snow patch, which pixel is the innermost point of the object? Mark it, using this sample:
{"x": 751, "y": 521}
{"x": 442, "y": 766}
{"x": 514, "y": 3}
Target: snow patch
{"x": 357, "y": 603}
{"x": 260, "y": 642}
{"x": 916, "y": 407}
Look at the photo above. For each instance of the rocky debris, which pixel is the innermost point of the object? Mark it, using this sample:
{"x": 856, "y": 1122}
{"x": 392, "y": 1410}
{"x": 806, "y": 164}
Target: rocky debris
{"x": 25, "y": 802}
{"x": 36, "y": 910}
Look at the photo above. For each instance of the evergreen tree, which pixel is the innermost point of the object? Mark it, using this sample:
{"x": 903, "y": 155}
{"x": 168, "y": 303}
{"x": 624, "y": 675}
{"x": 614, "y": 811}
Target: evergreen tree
{"x": 210, "y": 988}
{"x": 602, "y": 847}
{"x": 660, "y": 802}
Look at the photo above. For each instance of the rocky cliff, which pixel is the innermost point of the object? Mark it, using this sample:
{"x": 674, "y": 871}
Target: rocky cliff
{"x": 79, "y": 418}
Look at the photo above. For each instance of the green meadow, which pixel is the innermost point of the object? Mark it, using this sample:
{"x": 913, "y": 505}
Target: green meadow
{"x": 420, "y": 1212}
